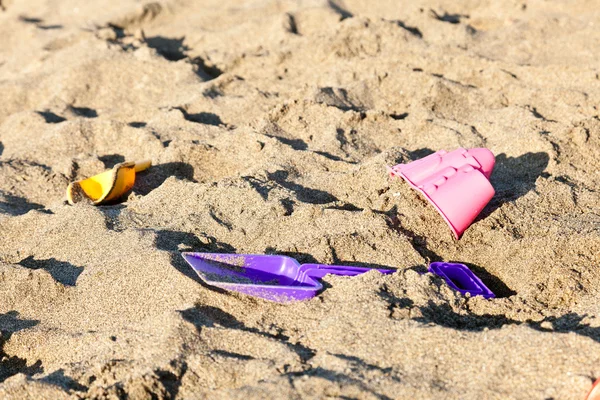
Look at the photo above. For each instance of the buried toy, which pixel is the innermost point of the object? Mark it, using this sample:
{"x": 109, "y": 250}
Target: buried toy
{"x": 455, "y": 183}
{"x": 108, "y": 186}
{"x": 271, "y": 277}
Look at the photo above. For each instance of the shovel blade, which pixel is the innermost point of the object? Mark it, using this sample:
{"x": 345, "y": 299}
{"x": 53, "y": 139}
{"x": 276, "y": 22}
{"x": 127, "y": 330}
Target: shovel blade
{"x": 269, "y": 277}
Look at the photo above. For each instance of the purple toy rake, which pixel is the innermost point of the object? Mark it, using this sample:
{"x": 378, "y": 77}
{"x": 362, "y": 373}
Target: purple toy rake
{"x": 459, "y": 277}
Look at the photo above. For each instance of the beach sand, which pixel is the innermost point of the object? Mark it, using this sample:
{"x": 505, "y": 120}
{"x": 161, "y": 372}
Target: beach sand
{"x": 269, "y": 125}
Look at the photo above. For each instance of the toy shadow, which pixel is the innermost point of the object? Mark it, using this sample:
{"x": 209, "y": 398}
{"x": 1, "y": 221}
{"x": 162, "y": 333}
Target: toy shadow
{"x": 514, "y": 177}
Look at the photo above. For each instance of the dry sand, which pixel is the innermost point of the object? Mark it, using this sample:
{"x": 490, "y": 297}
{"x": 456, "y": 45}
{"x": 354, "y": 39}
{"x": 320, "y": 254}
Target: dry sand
{"x": 269, "y": 124}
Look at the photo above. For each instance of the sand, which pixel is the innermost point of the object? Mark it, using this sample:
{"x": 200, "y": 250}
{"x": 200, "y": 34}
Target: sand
{"x": 269, "y": 124}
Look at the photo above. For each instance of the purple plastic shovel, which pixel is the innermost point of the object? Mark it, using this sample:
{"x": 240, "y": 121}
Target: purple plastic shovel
{"x": 276, "y": 278}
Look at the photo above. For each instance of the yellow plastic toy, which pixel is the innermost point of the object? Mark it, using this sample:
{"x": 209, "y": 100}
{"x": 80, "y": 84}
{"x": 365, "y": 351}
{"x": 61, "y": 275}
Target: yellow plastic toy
{"x": 107, "y": 186}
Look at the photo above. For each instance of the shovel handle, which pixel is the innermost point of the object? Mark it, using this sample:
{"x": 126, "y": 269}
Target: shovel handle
{"x": 320, "y": 270}
{"x": 142, "y": 165}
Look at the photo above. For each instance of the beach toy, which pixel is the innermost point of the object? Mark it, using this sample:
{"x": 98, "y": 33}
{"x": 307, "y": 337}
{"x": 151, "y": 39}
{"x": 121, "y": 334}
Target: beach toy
{"x": 459, "y": 277}
{"x": 594, "y": 393}
{"x": 455, "y": 183}
{"x": 276, "y": 278}
{"x": 107, "y": 186}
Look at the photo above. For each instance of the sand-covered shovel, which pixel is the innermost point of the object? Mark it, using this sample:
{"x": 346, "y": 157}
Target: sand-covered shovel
{"x": 107, "y": 186}
{"x": 276, "y": 278}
